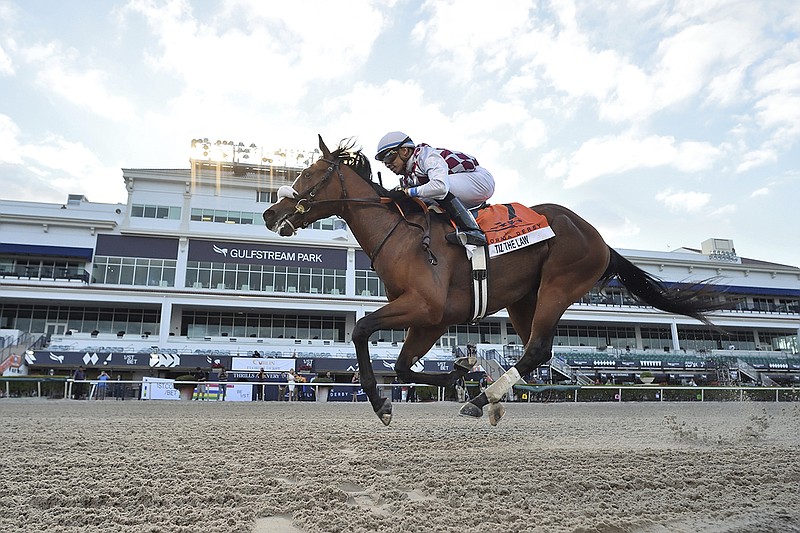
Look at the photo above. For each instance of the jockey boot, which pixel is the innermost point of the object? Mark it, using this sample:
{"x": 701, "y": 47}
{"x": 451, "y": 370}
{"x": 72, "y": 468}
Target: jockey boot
{"x": 468, "y": 230}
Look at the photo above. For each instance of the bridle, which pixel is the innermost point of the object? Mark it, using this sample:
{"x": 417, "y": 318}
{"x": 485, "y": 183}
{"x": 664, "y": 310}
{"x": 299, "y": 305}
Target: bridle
{"x": 305, "y": 201}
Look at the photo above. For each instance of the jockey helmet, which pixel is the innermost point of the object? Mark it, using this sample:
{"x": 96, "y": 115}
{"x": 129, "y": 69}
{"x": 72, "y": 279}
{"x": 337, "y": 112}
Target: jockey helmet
{"x": 392, "y": 140}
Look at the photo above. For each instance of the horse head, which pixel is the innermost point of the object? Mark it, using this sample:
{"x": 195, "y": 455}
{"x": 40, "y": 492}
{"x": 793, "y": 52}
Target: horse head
{"x": 319, "y": 190}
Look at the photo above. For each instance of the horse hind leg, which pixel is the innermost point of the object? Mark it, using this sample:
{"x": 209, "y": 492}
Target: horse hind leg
{"x": 535, "y": 354}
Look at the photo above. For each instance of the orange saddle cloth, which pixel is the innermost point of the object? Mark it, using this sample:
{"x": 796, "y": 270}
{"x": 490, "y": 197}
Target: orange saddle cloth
{"x": 509, "y": 227}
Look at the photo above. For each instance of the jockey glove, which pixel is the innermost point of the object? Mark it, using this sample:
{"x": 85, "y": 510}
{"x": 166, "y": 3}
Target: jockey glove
{"x": 397, "y": 194}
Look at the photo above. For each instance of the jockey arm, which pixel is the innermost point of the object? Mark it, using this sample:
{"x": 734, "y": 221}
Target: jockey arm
{"x": 431, "y": 164}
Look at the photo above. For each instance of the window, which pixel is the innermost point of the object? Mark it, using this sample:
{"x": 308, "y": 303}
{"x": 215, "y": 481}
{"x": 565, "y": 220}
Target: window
{"x": 269, "y": 278}
{"x": 85, "y": 319}
{"x": 156, "y": 211}
{"x": 134, "y": 271}
{"x": 369, "y": 284}
{"x": 223, "y": 216}
{"x": 269, "y": 197}
{"x": 203, "y": 323}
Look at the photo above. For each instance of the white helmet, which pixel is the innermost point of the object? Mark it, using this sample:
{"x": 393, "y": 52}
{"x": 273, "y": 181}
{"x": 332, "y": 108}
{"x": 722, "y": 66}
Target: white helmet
{"x": 393, "y": 139}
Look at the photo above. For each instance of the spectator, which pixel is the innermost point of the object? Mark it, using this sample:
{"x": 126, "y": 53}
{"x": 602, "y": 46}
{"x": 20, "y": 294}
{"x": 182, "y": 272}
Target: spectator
{"x": 461, "y": 390}
{"x": 257, "y": 354}
{"x": 483, "y": 382}
{"x": 223, "y": 385}
{"x": 290, "y": 379}
{"x": 355, "y": 379}
{"x": 78, "y": 386}
{"x": 102, "y": 385}
{"x": 119, "y": 391}
{"x": 201, "y": 377}
{"x": 259, "y": 388}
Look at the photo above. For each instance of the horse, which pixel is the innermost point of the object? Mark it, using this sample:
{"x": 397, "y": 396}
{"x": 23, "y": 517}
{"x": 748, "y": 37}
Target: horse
{"x": 428, "y": 280}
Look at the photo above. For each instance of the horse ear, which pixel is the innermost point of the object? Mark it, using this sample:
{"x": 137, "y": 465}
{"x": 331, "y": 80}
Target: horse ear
{"x": 325, "y": 152}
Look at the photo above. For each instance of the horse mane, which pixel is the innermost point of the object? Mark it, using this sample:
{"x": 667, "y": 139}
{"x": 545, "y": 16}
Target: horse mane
{"x": 349, "y": 154}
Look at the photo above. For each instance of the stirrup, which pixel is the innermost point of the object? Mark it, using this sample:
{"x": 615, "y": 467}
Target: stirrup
{"x": 462, "y": 238}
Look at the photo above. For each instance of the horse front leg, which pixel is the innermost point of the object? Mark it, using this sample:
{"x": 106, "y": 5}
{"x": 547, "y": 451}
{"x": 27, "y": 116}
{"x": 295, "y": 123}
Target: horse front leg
{"x": 381, "y": 406}
{"x": 397, "y": 314}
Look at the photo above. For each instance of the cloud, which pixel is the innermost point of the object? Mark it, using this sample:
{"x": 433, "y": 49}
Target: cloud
{"x": 688, "y": 201}
{"x": 755, "y": 159}
{"x": 52, "y": 167}
{"x": 9, "y": 145}
{"x": 447, "y": 25}
{"x": 6, "y": 65}
{"x": 256, "y": 50}
{"x": 761, "y": 191}
{"x": 617, "y": 154}
{"x": 87, "y": 89}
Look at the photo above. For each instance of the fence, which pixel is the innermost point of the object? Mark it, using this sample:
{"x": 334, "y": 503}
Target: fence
{"x": 61, "y": 387}
{"x": 55, "y": 387}
{"x": 654, "y": 393}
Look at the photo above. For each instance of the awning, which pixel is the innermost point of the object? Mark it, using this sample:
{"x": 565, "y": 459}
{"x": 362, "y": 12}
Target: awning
{"x": 49, "y": 251}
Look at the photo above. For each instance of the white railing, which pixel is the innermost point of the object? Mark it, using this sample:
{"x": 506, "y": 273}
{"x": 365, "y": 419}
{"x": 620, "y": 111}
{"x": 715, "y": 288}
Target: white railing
{"x": 113, "y": 387}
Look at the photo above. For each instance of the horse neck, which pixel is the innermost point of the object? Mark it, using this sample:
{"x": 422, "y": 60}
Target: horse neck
{"x": 369, "y": 222}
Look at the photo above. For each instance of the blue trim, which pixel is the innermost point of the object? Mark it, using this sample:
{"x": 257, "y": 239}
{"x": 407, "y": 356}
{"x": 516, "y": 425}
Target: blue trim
{"x": 53, "y": 251}
{"x": 735, "y": 289}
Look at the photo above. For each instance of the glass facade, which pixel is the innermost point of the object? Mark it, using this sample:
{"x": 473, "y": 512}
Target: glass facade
{"x": 225, "y": 217}
{"x": 267, "y": 278}
{"x": 369, "y": 284}
{"x": 199, "y": 324}
{"x": 156, "y": 211}
{"x": 35, "y": 318}
{"x": 42, "y": 269}
{"x": 134, "y": 271}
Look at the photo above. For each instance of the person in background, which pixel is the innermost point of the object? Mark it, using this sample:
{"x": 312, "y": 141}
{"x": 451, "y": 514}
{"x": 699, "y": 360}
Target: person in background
{"x": 455, "y": 180}
{"x": 119, "y": 390}
{"x": 78, "y": 386}
{"x": 355, "y": 379}
{"x": 201, "y": 377}
{"x": 259, "y": 387}
{"x": 102, "y": 385}
{"x": 223, "y": 385}
{"x": 290, "y": 380}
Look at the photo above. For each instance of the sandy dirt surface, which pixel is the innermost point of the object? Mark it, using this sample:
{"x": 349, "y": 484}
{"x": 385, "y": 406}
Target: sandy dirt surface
{"x": 277, "y": 467}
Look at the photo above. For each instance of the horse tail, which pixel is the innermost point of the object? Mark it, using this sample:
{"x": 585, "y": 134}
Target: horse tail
{"x": 693, "y": 300}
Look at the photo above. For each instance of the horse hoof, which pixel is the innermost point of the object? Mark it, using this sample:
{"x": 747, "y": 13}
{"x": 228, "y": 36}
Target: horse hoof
{"x": 465, "y": 362}
{"x": 471, "y": 410}
{"x": 384, "y": 412}
{"x": 496, "y": 412}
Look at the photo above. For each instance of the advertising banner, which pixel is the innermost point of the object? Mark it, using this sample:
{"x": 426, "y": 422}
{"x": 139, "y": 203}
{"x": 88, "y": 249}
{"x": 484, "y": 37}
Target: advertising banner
{"x": 254, "y": 364}
{"x": 267, "y": 254}
{"x": 159, "y": 389}
{"x": 239, "y": 392}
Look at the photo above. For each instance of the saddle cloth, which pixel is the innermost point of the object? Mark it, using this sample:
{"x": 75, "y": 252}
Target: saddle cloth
{"x": 509, "y": 227}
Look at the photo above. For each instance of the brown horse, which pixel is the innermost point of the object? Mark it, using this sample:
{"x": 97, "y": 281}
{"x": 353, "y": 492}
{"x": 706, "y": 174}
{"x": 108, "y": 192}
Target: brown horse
{"x": 428, "y": 280}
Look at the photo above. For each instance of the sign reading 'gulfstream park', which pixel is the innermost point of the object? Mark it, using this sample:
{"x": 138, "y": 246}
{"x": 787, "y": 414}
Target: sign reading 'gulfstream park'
{"x": 254, "y": 253}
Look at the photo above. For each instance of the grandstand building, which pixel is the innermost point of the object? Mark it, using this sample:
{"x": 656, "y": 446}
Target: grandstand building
{"x": 185, "y": 274}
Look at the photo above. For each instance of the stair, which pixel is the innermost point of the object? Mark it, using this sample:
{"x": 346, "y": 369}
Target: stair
{"x": 558, "y": 364}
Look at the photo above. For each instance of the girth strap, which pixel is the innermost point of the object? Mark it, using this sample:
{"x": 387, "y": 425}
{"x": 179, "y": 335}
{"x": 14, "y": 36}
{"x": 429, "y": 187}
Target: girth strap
{"x": 480, "y": 283}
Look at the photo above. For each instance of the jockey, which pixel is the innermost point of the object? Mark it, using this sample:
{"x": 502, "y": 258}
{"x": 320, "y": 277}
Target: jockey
{"x": 451, "y": 178}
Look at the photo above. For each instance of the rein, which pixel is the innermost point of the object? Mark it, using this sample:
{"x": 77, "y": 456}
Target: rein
{"x": 306, "y": 201}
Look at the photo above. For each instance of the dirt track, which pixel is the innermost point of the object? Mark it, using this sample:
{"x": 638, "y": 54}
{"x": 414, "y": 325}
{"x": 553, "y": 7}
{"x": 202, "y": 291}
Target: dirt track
{"x": 185, "y": 466}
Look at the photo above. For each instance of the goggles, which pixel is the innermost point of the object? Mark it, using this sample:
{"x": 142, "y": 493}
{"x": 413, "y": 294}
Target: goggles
{"x": 389, "y": 157}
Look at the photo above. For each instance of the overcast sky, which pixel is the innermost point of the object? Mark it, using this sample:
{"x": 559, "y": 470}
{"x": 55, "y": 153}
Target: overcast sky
{"x": 663, "y": 123}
